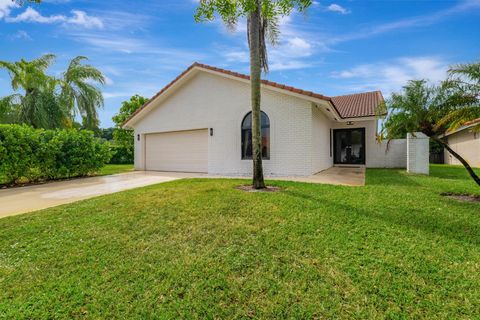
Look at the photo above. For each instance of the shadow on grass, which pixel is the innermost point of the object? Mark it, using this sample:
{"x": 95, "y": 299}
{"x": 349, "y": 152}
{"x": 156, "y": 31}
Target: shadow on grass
{"x": 462, "y": 230}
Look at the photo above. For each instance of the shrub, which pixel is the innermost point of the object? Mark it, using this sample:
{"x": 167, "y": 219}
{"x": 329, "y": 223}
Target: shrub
{"x": 121, "y": 154}
{"x": 28, "y": 154}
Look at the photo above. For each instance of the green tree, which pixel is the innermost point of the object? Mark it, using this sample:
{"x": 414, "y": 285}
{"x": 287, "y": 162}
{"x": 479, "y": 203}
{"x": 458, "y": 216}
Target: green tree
{"x": 262, "y": 24}
{"x": 38, "y": 106}
{"x": 432, "y": 110}
{"x": 43, "y": 101}
{"x": 123, "y": 138}
{"x": 79, "y": 94}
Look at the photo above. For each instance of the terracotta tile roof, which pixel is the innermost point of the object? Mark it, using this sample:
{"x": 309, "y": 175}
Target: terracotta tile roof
{"x": 349, "y": 106}
{"x": 469, "y": 123}
{"x": 359, "y": 104}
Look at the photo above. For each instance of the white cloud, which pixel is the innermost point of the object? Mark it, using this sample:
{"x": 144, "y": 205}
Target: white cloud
{"x": 297, "y": 47}
{"x": 79, "y": 18}
{"x": 288, "y": 65}
{"x": 108, "y": 80}
{"x": 237, "y": 56}
{"x": 390, "y": 76}
{"x": 82, "y": 19}
{"x": 5, "y": 7}
{"x": 412, "y": 22}
{"x": 112, "y": 43}
{"x": 337, "y": 8}
{"x": 111, "y": 95}
{"x": 32, "y": 15}
{"x": 21, "y": 34}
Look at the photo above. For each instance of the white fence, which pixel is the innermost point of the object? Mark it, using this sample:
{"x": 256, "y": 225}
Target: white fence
{"x": 394, "y": 157}
{"x": 411, "y": 153}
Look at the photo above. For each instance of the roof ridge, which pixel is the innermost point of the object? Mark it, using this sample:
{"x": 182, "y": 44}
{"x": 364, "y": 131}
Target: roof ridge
{"x": 352, "y": 94}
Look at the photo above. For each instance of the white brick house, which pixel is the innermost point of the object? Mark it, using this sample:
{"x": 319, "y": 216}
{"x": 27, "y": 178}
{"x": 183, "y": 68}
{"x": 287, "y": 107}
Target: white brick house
{"x": 199, "y": 123}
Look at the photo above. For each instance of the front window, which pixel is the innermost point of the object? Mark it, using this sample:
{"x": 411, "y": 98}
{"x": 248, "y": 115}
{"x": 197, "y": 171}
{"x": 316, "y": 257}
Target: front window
{"x": 247, "y": 136}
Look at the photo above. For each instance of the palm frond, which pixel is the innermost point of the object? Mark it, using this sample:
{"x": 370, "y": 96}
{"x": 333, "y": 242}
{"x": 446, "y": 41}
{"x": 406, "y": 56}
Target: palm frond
{"x": 79, "y": 91}
{"x": 272, "y": 30}
{"x": 455, "y": 119}
{"x": 43, "y": 62}
{"x": 470, "y": 70}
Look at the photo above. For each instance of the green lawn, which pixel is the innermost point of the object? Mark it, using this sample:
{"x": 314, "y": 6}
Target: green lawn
{"x": 114, "y": 169}
{"x": 202, "y": 249}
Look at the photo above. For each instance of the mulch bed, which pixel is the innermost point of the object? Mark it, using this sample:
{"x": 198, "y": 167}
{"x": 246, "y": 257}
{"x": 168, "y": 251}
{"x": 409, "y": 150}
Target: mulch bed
{"x": 249, "y": 188}
{"x": 464, "y": 197}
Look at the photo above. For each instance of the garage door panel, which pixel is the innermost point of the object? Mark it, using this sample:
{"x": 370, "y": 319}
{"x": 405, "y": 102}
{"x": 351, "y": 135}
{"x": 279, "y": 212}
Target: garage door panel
{"x": 185, "y": 151}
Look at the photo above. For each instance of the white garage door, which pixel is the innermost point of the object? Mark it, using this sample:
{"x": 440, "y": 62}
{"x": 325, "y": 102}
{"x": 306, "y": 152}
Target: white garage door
{"x": 183, "y": 151}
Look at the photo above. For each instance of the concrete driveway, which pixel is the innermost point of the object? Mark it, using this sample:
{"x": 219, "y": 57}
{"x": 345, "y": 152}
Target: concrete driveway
{"x": 25, "y": 199}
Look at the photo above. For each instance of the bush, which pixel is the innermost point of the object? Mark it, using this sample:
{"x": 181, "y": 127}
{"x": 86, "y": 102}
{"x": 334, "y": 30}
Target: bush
{"x": 30, "y": 155}
{"x": 121, "y": 154}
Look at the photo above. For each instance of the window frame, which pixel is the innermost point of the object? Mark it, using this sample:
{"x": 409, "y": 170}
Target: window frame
{"x": 262, "y": 127}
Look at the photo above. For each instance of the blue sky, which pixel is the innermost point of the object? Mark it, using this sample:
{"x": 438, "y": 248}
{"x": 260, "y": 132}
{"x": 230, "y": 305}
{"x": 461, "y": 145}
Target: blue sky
{"x": 338, "y": 47}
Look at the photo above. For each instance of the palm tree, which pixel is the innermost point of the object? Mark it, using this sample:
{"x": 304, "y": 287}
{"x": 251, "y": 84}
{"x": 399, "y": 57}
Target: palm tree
{"x": 262, "y": 17}
{"x": 432, "y": 110}
{"x": 79, "y": 94}
{"x": 38, "y": 106}
{"x": 28, "y": 75}
{"x": 48, "y": 102}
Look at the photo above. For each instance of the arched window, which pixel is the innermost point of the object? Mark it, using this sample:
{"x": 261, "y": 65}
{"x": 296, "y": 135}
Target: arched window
{"x": 247, "y": 136}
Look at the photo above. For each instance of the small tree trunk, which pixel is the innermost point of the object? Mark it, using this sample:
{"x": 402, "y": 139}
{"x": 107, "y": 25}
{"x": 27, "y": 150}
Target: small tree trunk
{"x": 459, "y": 158}
{"x": 254, "y": 24}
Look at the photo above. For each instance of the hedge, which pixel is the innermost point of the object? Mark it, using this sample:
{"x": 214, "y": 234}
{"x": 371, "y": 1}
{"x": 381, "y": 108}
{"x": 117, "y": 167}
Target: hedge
{"x": 121, "y": 154}
{"x": 32, "y": 155}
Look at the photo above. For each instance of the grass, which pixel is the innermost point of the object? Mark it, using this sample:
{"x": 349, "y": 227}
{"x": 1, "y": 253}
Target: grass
{"x": 114, "y": 169}
{"x": 200, "y": 248}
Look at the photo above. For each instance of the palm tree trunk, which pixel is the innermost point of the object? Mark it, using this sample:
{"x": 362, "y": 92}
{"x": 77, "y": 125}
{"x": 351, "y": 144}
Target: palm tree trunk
{"x": 459, "y": 158}
{"x": 254, "y": 24}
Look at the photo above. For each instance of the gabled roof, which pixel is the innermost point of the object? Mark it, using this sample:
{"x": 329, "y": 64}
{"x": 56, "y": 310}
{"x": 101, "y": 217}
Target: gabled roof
{"x": 348, "y": 106}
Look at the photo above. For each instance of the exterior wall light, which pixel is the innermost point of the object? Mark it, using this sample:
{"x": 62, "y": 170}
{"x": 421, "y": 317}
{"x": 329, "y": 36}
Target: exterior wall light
{"x": 211, "y": 132}
{"x": 350, "y": 123}
{"x": 138, "y": 137}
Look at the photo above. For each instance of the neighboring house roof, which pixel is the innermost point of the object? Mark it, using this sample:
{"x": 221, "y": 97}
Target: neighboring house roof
{"x": 466, "y": 125}
{"x": 347, "y": 106}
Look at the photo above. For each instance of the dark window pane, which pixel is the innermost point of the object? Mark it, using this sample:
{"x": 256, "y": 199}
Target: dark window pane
{"x": 247, "y": 122}
{"x": 247, "y": 136}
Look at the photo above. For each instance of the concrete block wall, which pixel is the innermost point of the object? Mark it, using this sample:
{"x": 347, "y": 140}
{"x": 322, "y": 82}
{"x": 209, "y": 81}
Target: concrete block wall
{"x": 418, "y": 149}
{"x": 391, "y": 154}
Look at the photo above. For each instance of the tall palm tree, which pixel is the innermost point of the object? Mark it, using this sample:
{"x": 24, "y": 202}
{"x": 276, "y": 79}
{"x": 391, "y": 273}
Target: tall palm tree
{"x": 79, "y": 93}
{"x": 262, "y": 17}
